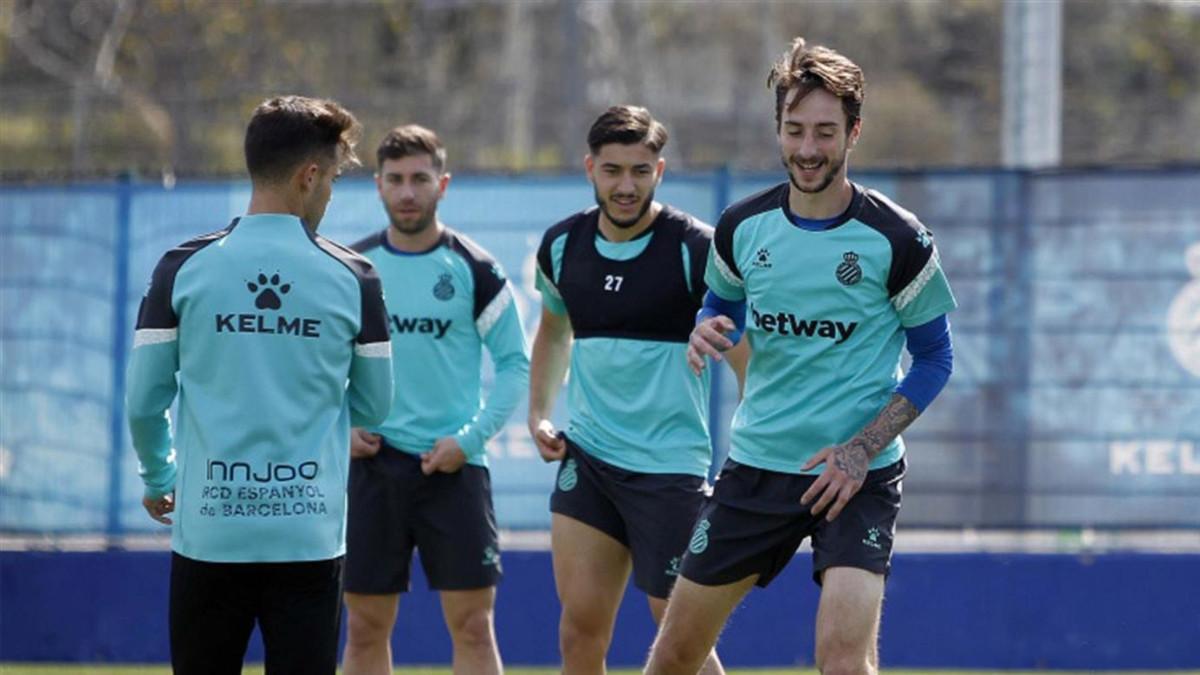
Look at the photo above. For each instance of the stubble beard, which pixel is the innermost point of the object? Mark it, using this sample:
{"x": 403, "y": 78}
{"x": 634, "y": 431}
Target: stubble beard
{"x": 624, "y": 224}
{"x": 834, "y": 168}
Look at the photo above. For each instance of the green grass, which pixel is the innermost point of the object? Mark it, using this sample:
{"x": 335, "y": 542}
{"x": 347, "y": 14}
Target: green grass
{"x": 64, "y": 669}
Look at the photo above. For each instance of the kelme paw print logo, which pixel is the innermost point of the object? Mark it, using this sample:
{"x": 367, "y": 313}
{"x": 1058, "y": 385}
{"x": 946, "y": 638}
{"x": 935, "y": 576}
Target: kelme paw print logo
{"x": 267, "y": 287}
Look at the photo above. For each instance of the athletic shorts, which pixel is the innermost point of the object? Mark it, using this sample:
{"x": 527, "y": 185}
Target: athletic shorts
{"x": 754, "y": 522}
{"x": 447, "y": 517}
{"x": 214, "y": 606}
{"x": 651, "y": 514}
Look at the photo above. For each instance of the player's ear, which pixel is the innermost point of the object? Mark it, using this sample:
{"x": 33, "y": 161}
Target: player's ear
{"x": 659, "y": 167}
{"x": 443, "y": 183}
{"x": 305, "y": 178}
{"x": 589, "y": 165}
{"x": 855, "y": 132}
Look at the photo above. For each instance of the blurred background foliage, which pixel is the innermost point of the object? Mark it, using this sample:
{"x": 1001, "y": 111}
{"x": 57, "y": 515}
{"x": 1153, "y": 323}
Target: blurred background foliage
{"x": 97, "y": 87}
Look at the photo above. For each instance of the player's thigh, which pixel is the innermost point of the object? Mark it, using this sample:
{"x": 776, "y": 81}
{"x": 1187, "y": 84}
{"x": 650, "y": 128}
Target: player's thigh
{"x": 695, "y": 614}
{"x": 848, "y": 616}
{"x": 455, "y": 531}
{"x": 590, "y": 567}
{"x": 211, "y": 615}
{"x": 300, "y": 617}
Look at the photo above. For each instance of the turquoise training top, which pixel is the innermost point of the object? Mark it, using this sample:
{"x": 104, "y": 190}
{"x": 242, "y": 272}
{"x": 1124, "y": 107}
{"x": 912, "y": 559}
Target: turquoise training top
{"x": 826, "y": 311}
{"x": 444, "y": 305}
{"x": 632, "y": 400}
{"x": 278, "y": 338}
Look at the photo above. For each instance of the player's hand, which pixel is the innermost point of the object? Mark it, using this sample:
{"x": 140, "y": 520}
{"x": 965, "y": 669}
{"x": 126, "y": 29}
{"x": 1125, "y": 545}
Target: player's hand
{"x": 364, "y": 443}
{"x": 159, "y": 508}
{"x": 447, "y": 456}
{"x": 845, "y": 470}
{"x": 708, "y": 339}
{"x": 551, "y": 445}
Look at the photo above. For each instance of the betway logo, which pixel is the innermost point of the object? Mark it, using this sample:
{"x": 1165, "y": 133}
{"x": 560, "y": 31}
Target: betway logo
{"x": 417, "y": 324}
{"x": 788, "y": 324}
{"x": 260, "y": 323}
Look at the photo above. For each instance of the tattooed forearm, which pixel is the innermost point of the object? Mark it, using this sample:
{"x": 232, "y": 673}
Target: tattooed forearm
{"x": 891, "y": 421}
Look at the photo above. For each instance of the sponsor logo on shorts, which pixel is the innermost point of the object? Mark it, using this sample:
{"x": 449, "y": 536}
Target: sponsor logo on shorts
{"x": 872, "y": 539}
{"x": 568, "y": 477}
{"x": 491, "y": 557}
{"x": 699, "y": 542}
{"x": 673, "y": 567}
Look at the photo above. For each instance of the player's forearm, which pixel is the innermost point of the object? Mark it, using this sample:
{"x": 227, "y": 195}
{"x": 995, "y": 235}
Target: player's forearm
{"x": 547, "y": 368}
{"x": 512, "y": 377}
{"x": 895, "y": 417}
{"x": 151, "y": 390}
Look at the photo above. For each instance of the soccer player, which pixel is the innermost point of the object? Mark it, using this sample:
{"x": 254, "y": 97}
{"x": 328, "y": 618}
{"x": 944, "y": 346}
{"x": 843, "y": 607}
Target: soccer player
{"x": 837, "y": 279}
{"x": 264, "y": 323}
{"x": 420, "y": 478}
{"x": 623, "y": 282}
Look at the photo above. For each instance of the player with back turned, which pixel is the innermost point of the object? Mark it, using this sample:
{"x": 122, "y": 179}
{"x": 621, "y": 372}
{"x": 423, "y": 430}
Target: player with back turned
{"x": 279, "y": 341}
{"x": 837, "y": 279}
{"x": 621, "y": 284}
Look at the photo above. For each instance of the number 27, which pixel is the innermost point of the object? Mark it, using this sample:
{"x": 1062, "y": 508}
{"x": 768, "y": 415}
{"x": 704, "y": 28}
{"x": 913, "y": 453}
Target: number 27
{"x": 612, "y": 283}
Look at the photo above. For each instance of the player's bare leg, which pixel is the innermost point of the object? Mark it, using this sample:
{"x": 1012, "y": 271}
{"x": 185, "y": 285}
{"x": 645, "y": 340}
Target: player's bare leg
{"x": 470, "y": 618}
{"x": 369, "y": 622}
{"x": 848, "y": 622}
{"x": 712, "y": 664}
{"x": 694, "y": 618}
{"x": 590, "y": 572}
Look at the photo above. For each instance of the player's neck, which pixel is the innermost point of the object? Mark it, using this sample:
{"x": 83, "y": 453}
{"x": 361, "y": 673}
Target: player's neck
{"x": 828, "y": 203}
{"x": 416, "y": 242}
{"x": 618, "y": 234}
{"x": 275, "y": 201}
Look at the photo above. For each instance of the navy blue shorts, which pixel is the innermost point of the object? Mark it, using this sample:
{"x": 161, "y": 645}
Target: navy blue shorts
{"x": 447, "y": 517}
{"x": 753, "y": 524}
{"x": 651, "y": 514}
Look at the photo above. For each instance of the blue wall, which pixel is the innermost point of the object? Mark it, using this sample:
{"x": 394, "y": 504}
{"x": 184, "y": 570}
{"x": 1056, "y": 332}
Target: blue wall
{"x": 1112, "y": 611}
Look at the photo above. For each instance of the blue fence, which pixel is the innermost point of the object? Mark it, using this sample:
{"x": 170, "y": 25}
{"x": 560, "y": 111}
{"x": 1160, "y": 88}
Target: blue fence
{"x": 1075, "y": 401}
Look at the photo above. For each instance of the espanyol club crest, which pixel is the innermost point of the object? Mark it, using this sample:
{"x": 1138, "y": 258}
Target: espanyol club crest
{"x": 568, "y": 478}
{"x": 849, "y": 273}
{"x": 443, "y": 289}
{"x": 699, "y": 541}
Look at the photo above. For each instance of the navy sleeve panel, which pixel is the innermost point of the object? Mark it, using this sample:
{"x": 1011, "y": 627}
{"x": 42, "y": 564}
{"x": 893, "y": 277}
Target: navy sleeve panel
{"x": 912, "y": 242}
{"x": 544, "y": 260}
{"x": 371, "y": 241}
{"x": 761, "y": 202}
{"x": 485, "y": 271}
{"x": 697, "y": 237}
{"x": 156, "y": 310}
{"x": 374, "y": 327}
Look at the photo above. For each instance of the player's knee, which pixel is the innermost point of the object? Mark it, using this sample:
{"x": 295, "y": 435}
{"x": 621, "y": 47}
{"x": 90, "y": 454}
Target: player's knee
{"x": 675, "y": 656}
{"x": 473, "y": 629}
{"x": 365, "y": 627}
{"x": 582, "y": 632}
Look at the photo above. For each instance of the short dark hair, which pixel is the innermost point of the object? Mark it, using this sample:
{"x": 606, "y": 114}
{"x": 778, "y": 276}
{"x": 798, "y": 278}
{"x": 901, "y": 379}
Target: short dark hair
{"x": 627, "y": 124}
{"x": 287, "y": 131}
{"x": 806, "y": 69}
{"x": 409, "y": 140}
